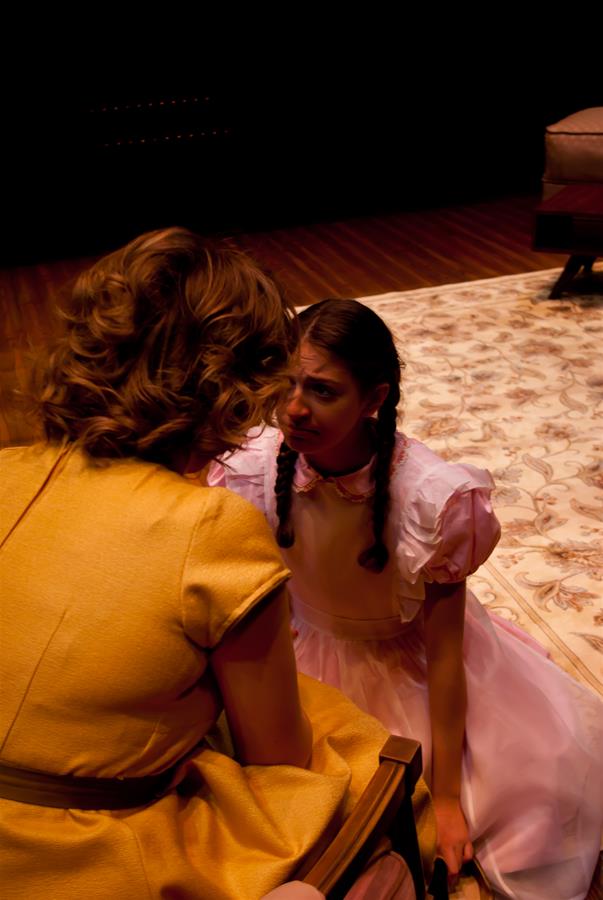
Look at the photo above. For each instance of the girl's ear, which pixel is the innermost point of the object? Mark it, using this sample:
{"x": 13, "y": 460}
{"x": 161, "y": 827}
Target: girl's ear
{"x": 376, "y": 398}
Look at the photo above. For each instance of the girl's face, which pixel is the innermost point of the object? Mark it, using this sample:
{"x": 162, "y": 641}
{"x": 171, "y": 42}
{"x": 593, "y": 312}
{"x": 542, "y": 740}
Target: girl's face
{"x": 325, "y": 414}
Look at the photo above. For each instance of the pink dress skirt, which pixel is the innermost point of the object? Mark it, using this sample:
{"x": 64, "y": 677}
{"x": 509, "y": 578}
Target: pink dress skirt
{"x": 531, "y": 781}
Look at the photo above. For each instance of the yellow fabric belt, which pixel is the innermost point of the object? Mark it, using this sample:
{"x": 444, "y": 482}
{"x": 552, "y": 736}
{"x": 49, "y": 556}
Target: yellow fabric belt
{"x": 78, "y": 792}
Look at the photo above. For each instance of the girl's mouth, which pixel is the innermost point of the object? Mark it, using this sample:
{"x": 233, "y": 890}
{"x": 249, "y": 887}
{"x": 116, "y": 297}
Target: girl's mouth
{"x": 302, "y": 433}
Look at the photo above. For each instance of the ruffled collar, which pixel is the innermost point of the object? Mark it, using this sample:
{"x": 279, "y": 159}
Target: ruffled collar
{"x": 356, "y": 486}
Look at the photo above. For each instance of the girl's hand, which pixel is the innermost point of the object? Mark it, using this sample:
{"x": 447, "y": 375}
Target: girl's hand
{"x": 453, "y": 843}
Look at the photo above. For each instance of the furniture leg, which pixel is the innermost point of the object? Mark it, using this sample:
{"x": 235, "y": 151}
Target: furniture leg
{"x": 572, "y": 267}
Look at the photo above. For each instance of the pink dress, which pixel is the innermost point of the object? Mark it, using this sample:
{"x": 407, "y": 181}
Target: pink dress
{"x": 532, "y": 785}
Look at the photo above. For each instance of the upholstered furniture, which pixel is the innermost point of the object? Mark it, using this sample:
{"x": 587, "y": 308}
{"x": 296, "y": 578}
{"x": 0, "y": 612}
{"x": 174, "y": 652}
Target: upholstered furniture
{"x": 574, "y": 151}
{"x": 570, "y": 216}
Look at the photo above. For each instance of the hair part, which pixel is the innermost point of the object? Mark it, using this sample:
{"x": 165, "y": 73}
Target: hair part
{"x": 170, "y": 342}
{"x": 361, "y": 340}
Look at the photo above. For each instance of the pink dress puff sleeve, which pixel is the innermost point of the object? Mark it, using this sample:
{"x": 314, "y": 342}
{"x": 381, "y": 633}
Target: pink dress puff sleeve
{"x": 447, "y": 524}
{"x": 250, "y": 471}
{"x": 469, "y": 533}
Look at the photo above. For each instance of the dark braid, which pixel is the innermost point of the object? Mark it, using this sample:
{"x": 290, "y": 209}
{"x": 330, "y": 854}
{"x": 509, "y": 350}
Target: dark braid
{"x": 376, "y": 556}
{"x": 285, "y": 468}
{"x": 362, "y": 341}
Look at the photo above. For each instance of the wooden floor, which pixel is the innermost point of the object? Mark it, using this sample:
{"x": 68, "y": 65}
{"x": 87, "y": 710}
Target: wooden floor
{"x": 352, "y": 258}
{"x": 402, "y": 251}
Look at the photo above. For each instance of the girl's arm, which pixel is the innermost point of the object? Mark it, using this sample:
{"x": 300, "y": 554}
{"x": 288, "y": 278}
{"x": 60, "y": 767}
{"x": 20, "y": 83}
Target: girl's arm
{"x": 444, "y": 615}
{"x": 254, "y": 666}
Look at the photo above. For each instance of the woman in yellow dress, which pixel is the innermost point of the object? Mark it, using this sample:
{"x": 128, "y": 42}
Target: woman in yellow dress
{"x": 137, "y": 605}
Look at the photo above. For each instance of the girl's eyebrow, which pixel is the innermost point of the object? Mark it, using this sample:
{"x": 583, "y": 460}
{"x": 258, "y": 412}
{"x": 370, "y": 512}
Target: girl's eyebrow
{"x": 322, "y": 379}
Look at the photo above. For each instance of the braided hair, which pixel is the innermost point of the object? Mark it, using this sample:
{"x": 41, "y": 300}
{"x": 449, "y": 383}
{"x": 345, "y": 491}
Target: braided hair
{"x": 361, "y": 340}
{"x": 285, "y": 469}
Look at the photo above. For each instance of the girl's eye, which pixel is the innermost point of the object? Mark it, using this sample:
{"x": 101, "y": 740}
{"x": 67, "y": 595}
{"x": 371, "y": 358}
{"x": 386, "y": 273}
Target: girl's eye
{"x": 323, "y": 390}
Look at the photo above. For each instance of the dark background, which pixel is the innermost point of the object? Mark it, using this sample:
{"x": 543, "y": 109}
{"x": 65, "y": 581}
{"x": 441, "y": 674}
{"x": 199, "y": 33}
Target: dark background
{"x": 93, "y": 154}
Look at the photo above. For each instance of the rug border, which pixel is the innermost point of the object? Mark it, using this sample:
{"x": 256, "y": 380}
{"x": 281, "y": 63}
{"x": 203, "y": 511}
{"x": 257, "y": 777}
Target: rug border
{"x": 461, "y": 284}
{"x": 586, "y": 675}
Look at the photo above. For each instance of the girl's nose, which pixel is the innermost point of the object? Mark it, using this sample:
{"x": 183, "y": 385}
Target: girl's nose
{"x": 297, "y": 408}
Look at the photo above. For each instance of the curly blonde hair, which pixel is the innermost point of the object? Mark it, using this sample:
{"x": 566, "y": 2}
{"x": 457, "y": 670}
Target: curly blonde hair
{"x": 171, "y": 342}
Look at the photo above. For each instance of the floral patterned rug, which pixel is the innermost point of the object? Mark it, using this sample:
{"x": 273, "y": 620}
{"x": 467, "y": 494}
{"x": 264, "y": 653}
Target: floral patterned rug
{"x": 500, "y": 376}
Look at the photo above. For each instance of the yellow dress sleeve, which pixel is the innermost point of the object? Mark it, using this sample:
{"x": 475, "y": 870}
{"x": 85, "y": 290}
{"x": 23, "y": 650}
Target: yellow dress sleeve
{"x": 231, "y": 564}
